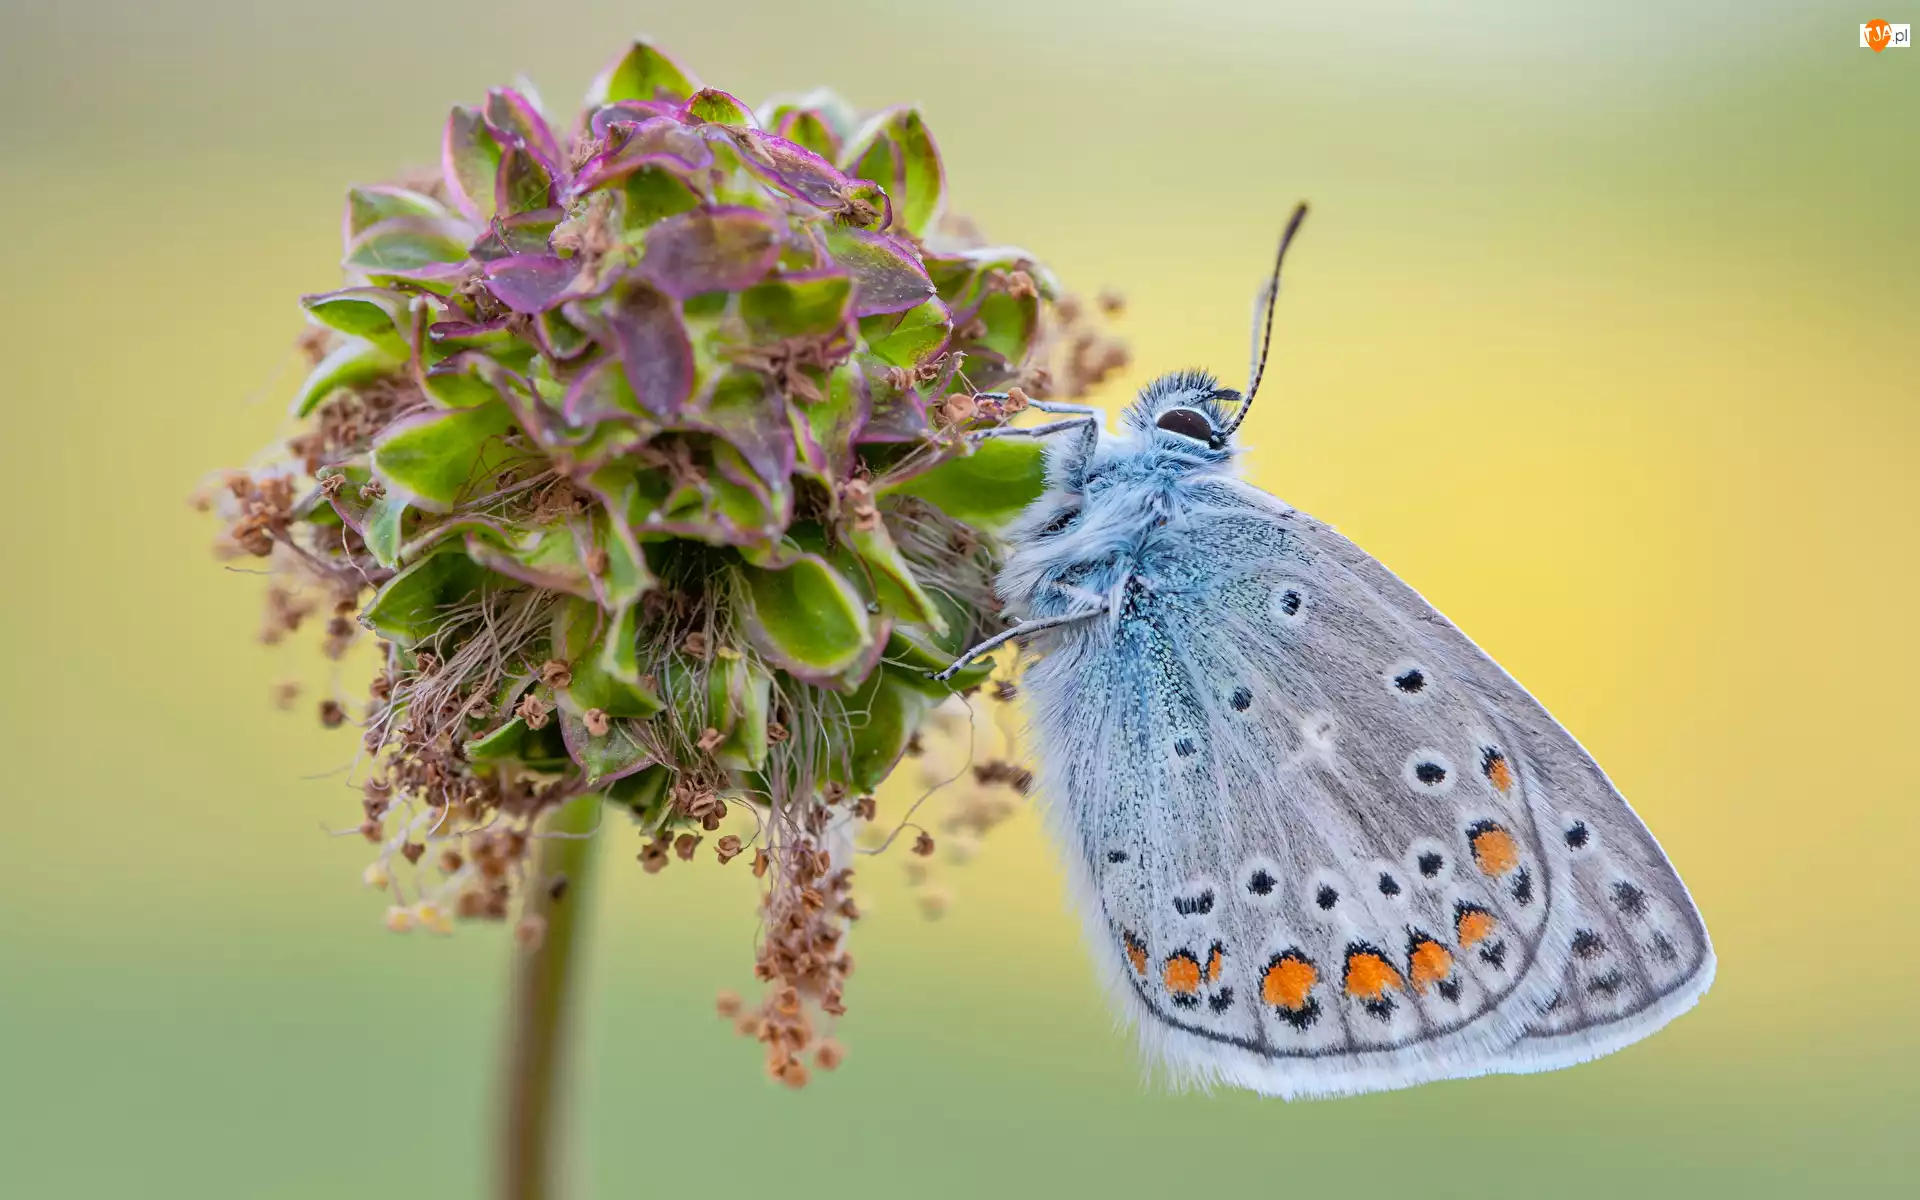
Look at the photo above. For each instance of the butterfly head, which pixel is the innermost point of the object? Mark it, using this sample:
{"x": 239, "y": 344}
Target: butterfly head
{"x": 1187, "y": 412}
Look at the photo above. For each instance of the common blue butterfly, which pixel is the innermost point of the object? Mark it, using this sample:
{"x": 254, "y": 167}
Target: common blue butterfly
{"x": 1322, "y": 842}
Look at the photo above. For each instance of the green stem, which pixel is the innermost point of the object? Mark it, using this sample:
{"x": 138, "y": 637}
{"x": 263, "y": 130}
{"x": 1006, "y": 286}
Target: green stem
{"x": 533, "y": 1132}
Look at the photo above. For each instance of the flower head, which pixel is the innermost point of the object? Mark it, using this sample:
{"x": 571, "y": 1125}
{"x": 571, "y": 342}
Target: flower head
{"x": 639, "y": 446}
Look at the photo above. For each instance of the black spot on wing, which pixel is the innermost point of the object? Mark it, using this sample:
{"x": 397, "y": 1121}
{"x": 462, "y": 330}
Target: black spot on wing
{"x": 1300, "y": 1018}
{"x": 1664, "y": 948}
{"x": 1523, "y": 887}
{"x": 1193, "y": 906}
{"x": 1629, "y": 899}
{"x": 1608, "y": 984}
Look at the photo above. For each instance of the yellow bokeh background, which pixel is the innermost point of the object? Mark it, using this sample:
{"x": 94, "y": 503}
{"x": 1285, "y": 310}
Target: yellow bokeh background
{"x": 1602, "y": 335}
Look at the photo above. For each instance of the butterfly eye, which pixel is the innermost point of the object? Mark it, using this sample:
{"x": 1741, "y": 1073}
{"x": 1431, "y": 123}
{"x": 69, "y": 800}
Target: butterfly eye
{"x": 1189, "y": 423}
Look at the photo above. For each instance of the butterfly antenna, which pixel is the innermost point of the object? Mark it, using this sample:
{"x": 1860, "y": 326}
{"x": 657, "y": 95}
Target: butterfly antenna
{"x": 1268, "y": 296}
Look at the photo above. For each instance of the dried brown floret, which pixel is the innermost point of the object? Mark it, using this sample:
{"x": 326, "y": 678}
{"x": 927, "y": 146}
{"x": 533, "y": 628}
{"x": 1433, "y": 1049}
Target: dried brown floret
{"x": 533, "y": 710}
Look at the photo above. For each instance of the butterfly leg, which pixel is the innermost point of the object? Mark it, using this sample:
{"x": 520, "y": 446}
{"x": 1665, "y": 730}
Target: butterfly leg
{"x": 1000, "y": 639}
{"x": 1045, "y": 406}
{"x": 1089, "y": 421}
{"x": 1056, "y": 406}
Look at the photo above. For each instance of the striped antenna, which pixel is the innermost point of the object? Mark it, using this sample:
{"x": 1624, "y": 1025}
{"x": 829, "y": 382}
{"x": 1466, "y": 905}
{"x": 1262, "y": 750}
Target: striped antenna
{"x": 1263, "y": 319}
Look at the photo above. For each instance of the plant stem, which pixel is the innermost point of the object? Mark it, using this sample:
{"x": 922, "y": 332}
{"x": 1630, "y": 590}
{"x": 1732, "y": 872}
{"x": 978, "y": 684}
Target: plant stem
{"x": 533, "y": 1133}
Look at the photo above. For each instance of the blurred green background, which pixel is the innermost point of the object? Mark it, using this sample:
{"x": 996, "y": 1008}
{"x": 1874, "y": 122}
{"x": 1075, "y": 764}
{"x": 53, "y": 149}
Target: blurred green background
{"x": 1602, "y": 335}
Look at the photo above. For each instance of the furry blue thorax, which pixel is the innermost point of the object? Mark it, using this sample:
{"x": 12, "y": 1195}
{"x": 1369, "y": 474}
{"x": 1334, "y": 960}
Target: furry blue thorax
{"x": 1111, "y": 496}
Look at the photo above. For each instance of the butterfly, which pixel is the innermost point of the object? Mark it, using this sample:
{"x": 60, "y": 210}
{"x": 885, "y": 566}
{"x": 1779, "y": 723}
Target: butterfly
{"x": 1322, "y": 843}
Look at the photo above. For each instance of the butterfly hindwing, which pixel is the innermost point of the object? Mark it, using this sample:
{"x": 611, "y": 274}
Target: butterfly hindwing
{"x": 1321, "y": 839}
{"x": 1637, "y": 952}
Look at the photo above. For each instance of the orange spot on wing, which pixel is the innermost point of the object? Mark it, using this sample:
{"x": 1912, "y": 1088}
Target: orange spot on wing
{"x": 1183, "y": 975}
{"x": 1288, "y": 981}
{"x": 1495, "y": 850}
{"x": 1430, "y": 962}
{"x": 1136, "y": 954}
{"x": 1499, "y": 773}
{"x": 1474, "y": 925}
{"x": 1369, "y": 976}
{"x": 1213, "y": 965}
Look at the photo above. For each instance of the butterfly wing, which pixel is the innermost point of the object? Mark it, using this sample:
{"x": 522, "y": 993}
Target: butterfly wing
{"x": 1321, "y": 839}
{"x": 1638, "y": 953}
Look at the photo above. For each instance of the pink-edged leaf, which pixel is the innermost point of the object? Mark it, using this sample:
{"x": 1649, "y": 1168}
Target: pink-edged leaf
{"x": 469, "y": 163}
{"x": 558, "y": 337}
{"x": 808, "y": 129}
{"x": 642, "y": 72}
{"x": 382, "y": 316}
{"x": 717, "y": 107}
{"x": 711, "y": 249}
{"x": 534, "y": 283}
{"x": 435, "y": 458}
{"x": 456, "y": 382}
{"x": 411, "y": 247}
{"x": 534, "y": 415}
{"x": 826, "y": 432}
{"x": 645, "y": 327}
{"x": 909, "y": 339}
{"x": 792, "y": 168}
{"x": 812, "y": 303}
{"x": 519, "y": 233}
{"x": 524, "y": 183}
{"x": 745, "y": 410}
{"x": 809, "y": 619}
{"x": 368, "y": 205}
{"x": 894, "y": 415}
{"x": 628, "y": 113}
{"x": 660, "y": 141}
{"x": 897, "y": 151}
{"x": 441, "y": 331}
{"x": 544, "y": 556}
{"x": 887, "y": 275}
{"x": 601, "y": 393}
{"x": 458, "y": 335}
{"x": 514, "y": 121}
